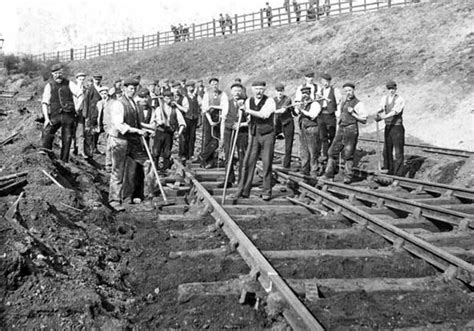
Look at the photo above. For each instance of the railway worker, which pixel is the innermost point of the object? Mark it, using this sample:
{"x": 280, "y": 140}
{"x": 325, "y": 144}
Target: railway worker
{"x": 167, "y": 119}
{"x": 214, "y": 102}
{"x": 222, "y": 23}
{"x": 153, "y": 89}
{"x": 229, "y": 124}
{"x": 91, "y": 116}
{"x": 244, "y": 89}
{"x": 107, "y": 129}
{"x": 329, "y": 98}
{"x": 352, "y": 112}
{"x": 284, "y": 122}
{"x": 58, "y": 112}
{"x": 391, "y": 111}
{"x": 125, "y": 142}
{"x": 166, "y": 87}
{"x": 78, "y": 97}
{"x": 191, "y": 117}
{"x": 310, "y": 144}
{"x": 268, "y": 13}
{"x": 181, "y": 103}
{"x": 261, "y": 141}
{"x": 308, "y": 77}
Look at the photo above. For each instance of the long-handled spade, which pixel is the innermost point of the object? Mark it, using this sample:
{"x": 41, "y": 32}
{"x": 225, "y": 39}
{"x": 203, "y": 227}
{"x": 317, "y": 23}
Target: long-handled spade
{"x": 166, "y": 201}
{"x": 379, "y": 163}
{"x": 231, "y": 155}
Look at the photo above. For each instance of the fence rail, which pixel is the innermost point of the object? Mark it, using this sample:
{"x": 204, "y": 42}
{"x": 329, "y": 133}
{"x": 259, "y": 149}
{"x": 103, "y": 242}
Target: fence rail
{"x": 313, "y": 10}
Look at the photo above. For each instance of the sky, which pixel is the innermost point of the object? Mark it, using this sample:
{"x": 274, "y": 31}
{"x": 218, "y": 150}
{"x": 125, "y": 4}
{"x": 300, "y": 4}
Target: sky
{"x": 33, "y": 27}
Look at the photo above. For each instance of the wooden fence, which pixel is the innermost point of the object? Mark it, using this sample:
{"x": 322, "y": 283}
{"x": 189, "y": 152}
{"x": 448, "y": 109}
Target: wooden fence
{"x": 309, "y": 11}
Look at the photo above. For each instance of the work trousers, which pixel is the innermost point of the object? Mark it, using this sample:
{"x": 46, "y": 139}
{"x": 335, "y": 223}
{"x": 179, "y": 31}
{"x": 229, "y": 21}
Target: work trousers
{"x": 78, "y": 136}
{"x": 288, "y": 130}
{"x": 188, "y": 139}
{"x": 309, "y": 150}
{"x": 210, "y": 144}
{"x": 66, "y": 122}
{"x": 240, "y": 147}
{"x": 327, "y": 131}
{"x": 345, "y": 141}
{"x": 393, "y": 157}
{"x": 259, "y": 145}
{"x": 162, "y": 144}
{"x": 108, "y": 154}
{"x": 128, "y": 161}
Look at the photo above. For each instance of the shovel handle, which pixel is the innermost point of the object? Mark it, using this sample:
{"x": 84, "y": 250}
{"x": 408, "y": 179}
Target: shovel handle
{"x": 154, "y": 168}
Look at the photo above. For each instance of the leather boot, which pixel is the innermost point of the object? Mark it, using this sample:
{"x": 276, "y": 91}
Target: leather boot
{"x": 329, "y": 173}
{"x": 348, "y": 172}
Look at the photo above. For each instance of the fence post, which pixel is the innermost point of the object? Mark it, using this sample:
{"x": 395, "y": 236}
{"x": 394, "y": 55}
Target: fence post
{"x": 143, "y": 41}
{"x": 389, "y": 3}
{"x": 236, "y": 24}
{"x": 261, "y": 18}
{"x": 194, "y": 31}
{"x": 317, "y": 10}
{"x": 44, "y": 57}
{"x": 98, "y": 46}
{"x": 289, "y": 13}
{"x": 158, "y": 39}
{"x": 85, "y": 52}
{"x": 128, "y": 44}
{"x": 57, "y": 56}
{"x": 350, "y": 5}
{"x": 113, "y": 47}
{"x": 214, "y": 27}
{"x": 72, "y": 54}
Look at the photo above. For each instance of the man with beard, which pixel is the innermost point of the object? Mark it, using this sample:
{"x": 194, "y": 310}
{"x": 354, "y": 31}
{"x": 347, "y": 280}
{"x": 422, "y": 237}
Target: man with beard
{"x": 352, "y": 112}
{"x": 58, "y": 112}
{"x": 261, "y": 141}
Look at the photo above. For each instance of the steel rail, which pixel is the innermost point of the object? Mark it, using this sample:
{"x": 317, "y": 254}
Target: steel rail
{"x": 296, "y": 313}
{"x": 432, "y": 149}
{"x": 440, "y": 258}
{"x": 417, "y": 209}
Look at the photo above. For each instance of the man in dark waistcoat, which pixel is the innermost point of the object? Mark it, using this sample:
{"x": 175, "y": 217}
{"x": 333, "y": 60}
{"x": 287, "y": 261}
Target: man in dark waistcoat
{"x": 284, "y": 122}
{"x": 58, "y": 112}
{"x": 261, "y": 141}
{"x": 191, "y": 118}
{"x": 352, "y": 112}
{"x": 91, "y": 116}
{"x": 230, "y": 120}
{"x": 391, "y": 111}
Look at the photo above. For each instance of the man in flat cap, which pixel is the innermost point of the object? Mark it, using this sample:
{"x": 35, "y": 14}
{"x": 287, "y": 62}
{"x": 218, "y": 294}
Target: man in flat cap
{"x": 308, "y": 82}
{"x": 329, "y": 98}
{"x": 310, "y": 143}
{"x": 125, "y": 142}
{"x": 214, "y": 102}
{"x": 284, "y": 122}
{"x": 91, "y": 116}
{"x": 181, "y": 103}
{"x": 191, "y": 118}
{"x": 352, "y": 112}
{"x": 58, "y": 111}
{"x": 391, "y": 111}
{"x": 79, "y": 90}
{"x": 261, "y": 141}
{"x": 230, "y": 126}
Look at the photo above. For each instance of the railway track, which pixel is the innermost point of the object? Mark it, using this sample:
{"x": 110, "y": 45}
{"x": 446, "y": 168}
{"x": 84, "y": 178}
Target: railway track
{"x": 431, "y": 149}
{"x": 301, "y": 247}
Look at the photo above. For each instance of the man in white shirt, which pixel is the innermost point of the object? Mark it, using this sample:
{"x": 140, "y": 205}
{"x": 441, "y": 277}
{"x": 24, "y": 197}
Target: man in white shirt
{"x": 310, "y": 144}
{"x": 391, "y": 111}
{"x": 352, "y": 112}
{"x": 78, "y": 97}
{"x": 214, "y": 102}
{"x": 308, "y": 77}
{"x": 261, "y": 141}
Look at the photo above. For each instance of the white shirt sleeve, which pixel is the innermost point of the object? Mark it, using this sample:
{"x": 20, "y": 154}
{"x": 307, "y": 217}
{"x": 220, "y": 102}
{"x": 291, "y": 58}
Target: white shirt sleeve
{"x": 47, "y": 94}
{"x": 399, "y": 105}
{"x": 117, "y": 118}
{"x": 205, "y": 102}
{"x": 314, "y": 110}
{"x": 224, "y": 105}
{"x": 360, "y": 110}
{"x": 180, "y": 118}
{"x": 268, "y": 108}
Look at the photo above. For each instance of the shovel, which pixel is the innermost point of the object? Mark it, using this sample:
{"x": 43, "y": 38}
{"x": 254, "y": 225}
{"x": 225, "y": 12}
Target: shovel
{"x": 165, "y": 201}
{"x": 379, "y": 163}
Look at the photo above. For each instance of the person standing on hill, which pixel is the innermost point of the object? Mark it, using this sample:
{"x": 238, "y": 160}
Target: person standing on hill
{"x": 308, "y": 77}
{"x": 260, "y": 108}
{"x": 91, "y": 116}
{"x": 228, "y": 22}
{"x": 269, "y": 14}
{"x": 310, "y": 145}
{"x": 58, "y": 112}
{"x": 329, "y": 98}
{"x": 222, "y": 23}
{"x": 284, "y": 122}
{"x": 214, "y": 102}
{"x": 297, "y": 10}
{"x": 352, "y": 112}
{"x": 286, "y": 5}
{"x": 391, "y": 111}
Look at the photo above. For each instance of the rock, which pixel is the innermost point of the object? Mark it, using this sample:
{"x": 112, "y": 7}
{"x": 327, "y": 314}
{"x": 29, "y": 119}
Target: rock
{"x": 113, "y": 256}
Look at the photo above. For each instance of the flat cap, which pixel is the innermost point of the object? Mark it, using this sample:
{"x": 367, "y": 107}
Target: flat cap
{"x": 176, "y": 84}
{"x": 391, "y": 84}
{"x": 167, "y": 94}
{"x": 309, "y": 74}
{"x": 349, "y": 84}
{"x": 190, "y": 83}
{"x": 279, "y": 87}
{"x": 156, "y": 82}
{"x": 326, "y": 76}
{"x": 213, "y": 79}
{"x": 144, "y": 93}
{"x": 137, "y": 77}
{"x": 103, "y": 88}
{"x": 236, "y": 85}
{"x": 80, "y": 74}
{"x": 56, "y": 67}
{"x": 111, "y": 91}
{"x": 259, "y": 83}
{"x": 97, "y": 76}
{"x": 306, "y": 90}
{"x": 118, "y": 81}
{"x": 130, "y": 81}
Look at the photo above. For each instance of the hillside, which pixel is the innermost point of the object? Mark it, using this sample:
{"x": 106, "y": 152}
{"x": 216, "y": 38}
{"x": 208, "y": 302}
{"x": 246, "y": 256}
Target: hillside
{"x": 427, "y": 48}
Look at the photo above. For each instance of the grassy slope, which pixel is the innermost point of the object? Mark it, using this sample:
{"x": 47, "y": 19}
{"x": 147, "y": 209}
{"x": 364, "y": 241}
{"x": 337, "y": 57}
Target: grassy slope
{"x": 426, "y": 48}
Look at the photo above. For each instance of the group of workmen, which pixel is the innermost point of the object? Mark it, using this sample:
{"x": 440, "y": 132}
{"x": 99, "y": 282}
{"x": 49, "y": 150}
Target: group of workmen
{"x": 137, "y": 119}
